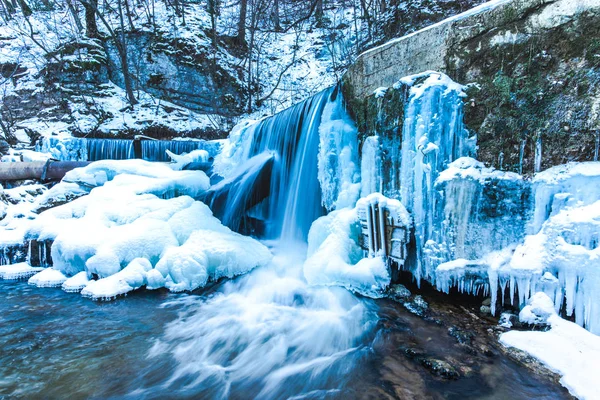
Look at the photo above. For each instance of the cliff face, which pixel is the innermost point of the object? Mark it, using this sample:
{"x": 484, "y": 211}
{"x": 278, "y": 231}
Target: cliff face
{"x": 177, "y": 71}
{"x": 534, "y": 66}
{"x": 77, "y": 89}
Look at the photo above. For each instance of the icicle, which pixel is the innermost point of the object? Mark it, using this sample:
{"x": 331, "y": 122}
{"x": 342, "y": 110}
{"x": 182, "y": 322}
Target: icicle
{"x": 538, "y": 154}
{"x": 597, "y": 149}
{"x": 522, "y": 155}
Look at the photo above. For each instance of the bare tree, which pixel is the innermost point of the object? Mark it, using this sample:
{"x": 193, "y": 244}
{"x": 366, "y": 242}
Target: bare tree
{"x": 241, "y": 33}
{"x": 91, "y": 27}
{"x": 120, "y": 45}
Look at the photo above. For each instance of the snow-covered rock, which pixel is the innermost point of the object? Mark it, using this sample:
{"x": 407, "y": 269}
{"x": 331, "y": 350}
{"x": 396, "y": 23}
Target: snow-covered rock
{"x": 566, "y": 348}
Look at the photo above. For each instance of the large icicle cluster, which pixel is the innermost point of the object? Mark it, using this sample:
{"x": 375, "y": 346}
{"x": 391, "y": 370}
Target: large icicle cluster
{"x": 339, "y": 173}
{"x": 562, "y": 253}
{"x": 471, "y": 222}
{"x": 433, "y": 135}
{"x": 478, "y": 213}
{"x": 559, "y": 257}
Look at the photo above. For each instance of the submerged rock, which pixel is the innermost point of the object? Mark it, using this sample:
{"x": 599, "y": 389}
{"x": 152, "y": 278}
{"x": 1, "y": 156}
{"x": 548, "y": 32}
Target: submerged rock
{"x": 399, "y": 293}
{"x": 436, "y": 367}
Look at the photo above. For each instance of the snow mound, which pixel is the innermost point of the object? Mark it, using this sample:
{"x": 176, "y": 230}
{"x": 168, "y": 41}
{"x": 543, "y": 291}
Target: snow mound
{"x": 49, "y": 277}
{"x": 76, "y": 283}
{"x": 139, "y": 216}
{"x": 17, "y": 271}
{"x": 566, "y": 349}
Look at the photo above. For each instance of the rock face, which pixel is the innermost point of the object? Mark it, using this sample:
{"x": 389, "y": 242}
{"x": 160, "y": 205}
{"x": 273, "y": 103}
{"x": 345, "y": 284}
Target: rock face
{"x": 73, "y": 91}
{"x": 535, "y": 66}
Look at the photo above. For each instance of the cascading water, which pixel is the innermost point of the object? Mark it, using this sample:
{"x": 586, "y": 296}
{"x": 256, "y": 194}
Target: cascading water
{"x": 269, "y": 334}
{"x": 293, "y": 134}
{"x": 83, "y": 149}
{"x": 109, "y": 149}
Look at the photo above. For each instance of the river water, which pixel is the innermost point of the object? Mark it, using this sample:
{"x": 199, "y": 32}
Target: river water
{"x": 264, "y": 335}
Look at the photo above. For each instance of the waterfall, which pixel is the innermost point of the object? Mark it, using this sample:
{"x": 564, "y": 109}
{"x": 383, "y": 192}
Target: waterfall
{"x": 156, "y": 150}
{"x": 83, "y": 149}
{"x": 109, "y": 149}
{"x": 293, "y": 134}
{"x": 269, "y": 334}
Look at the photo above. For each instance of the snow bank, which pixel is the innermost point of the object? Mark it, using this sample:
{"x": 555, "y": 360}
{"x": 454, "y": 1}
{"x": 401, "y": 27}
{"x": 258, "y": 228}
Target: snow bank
{"x": 138, "y": 216}
{"x": 566, "y": 348}
{"x": 335, "y": 257}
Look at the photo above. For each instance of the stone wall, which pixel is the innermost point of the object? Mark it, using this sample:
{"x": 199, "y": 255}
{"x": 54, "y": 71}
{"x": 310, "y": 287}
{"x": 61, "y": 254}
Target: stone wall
{"x": 535, "y": 66}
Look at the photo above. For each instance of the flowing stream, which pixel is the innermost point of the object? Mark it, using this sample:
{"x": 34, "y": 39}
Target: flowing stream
{"x": 265, "y": 335}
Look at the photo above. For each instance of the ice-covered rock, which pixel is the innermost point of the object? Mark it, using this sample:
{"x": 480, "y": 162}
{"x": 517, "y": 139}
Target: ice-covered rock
{"x": 209, "y": 255}
{"x": 18, "y": 271}
{"x": 335, "y": 256}
{"x": 49, "y": 277}
{"x": 76, "y": 283}
{"x": 139, "y": 216}
{"x": 132, "y": 277}
{"x": 538, "y": 309}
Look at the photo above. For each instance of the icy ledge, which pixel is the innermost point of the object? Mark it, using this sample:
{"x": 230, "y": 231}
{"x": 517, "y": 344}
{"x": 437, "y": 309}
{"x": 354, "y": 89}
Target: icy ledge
{"x": 566, "y": 348}
{"x": 560, "y": 255}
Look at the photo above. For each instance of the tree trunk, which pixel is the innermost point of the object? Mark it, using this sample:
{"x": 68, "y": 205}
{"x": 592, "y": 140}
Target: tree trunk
{"x": 128, "y": 12}
{"x": 25, "y": 8}
{"x": 75, "y": 15}
{"x": 319, "y": 11}
{"x": 122, "y": 46}
{"x": 276, "y": 22}
{"x": 91, "y": 27}
{"x": 241, "y": 36}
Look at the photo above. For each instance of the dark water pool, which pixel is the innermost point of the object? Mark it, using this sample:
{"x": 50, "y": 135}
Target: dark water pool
{"x": 57, "y": 345}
